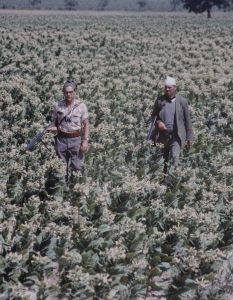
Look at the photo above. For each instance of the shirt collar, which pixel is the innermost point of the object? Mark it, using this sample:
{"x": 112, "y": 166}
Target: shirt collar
{"x": 75, "y": 102}
{"x": 171, "y": 100}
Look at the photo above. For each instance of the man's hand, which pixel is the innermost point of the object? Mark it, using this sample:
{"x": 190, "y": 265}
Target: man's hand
{"x": 53, "y": 129}
{"x": 161, "y": 126}
{"x": 189, "y": 143}
{"x": 84, "y": 145}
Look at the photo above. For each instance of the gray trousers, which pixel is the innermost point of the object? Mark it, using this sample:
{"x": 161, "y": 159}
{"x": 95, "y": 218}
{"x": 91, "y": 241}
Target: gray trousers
{"x": 68, "y": 150}
{"x": 171, "y": 150}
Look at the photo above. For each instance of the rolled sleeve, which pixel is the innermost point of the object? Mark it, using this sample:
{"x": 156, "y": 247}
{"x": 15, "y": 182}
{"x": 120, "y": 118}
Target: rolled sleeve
{"x": 84, "y": 111}
{"x": 54, "y": 114}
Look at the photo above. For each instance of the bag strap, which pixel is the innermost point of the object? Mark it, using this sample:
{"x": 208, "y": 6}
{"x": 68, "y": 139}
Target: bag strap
{"x": 72, "y": 108}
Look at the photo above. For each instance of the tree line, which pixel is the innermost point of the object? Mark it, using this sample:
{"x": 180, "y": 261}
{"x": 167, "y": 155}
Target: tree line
{"x": 196, "y": 6}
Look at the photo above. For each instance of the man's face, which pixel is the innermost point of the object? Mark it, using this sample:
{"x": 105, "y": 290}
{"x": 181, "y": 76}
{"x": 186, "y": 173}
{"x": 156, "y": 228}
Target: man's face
{"x": 170, "y": 91}
{"x": 69, "y": 94}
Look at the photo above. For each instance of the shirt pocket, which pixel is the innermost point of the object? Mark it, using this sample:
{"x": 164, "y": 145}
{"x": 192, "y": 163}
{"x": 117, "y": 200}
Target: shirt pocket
{"x": 76, "y": 118}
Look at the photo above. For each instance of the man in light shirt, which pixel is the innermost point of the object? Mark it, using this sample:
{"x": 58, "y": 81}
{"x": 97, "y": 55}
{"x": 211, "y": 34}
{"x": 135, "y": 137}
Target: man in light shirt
{"x": 71, "y": 115}
{"x": 174, "y": 125}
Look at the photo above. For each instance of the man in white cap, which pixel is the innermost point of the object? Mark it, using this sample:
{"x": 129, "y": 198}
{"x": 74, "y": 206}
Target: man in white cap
{"x": 174, "y": 125}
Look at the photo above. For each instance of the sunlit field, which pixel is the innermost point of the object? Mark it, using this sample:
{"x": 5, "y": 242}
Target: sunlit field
{"x": 117, "y": 233}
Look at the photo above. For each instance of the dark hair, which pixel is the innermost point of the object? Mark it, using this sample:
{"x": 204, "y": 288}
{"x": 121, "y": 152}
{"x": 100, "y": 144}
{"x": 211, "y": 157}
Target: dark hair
{"x": 71, "y": 83}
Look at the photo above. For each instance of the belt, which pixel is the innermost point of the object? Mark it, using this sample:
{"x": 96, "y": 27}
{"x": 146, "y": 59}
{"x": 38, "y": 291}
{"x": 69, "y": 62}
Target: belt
{"x": 70, "y": 134}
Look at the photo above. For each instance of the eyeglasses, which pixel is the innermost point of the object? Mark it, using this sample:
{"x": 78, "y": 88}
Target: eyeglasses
{"x": 69, "y": 92}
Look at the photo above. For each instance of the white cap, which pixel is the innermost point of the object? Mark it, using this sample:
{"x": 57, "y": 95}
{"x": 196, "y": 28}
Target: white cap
{"x": 169, "y": 81}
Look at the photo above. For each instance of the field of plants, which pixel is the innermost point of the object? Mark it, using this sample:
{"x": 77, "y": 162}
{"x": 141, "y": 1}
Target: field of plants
{"x": 118, "y": 233}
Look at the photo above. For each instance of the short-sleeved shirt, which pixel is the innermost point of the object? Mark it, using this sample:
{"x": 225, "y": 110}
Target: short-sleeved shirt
{"x": 77, "y": 115}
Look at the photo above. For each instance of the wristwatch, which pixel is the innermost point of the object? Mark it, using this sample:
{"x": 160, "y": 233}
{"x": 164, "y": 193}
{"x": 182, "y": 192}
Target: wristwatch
{"x": 86, "y": 139}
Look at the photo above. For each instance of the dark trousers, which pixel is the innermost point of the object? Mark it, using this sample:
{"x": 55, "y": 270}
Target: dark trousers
{"x": 171, "y": 149}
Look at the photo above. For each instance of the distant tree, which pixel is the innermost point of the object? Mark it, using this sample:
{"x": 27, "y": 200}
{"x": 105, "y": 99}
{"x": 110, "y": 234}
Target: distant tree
{"x": 200, "y": 6}
{"x": 174, "y": 4}
{"x": 34, "y": 2}
{"x": 142, "y": 3}
{"x": 102, "y": 4}
{"x": 71, "y": 4}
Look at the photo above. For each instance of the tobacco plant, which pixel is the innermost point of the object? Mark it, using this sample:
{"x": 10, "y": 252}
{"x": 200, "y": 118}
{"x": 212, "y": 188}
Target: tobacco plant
{"x": 117, "y": 232}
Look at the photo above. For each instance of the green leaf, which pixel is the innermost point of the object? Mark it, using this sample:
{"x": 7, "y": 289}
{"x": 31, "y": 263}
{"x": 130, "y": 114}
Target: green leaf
{"x": 51, "y": 265}
{"x": 120, "y": 287}
{"x": 167, "y": 248}
{"x": 59, "y": 251}
{"x": 129, "y": 256}
{"x": 132, "y": 212}
{"x": 58, "y": 198}
{"x": 150, "y": 231}
{"x": 167, "y": 258}
{"x": 208, "y": 277}
{"x": 164, "y": 265}
{"x": 155, "y": 260}
{"x": 155, "y": 272}
{"x": 65, "y": 287}
{"x": 91, "y": 271}
{"x": 104, "y": 228}
{"x": 136, "y": 247}
{"x": 63, "y": 262}
{"x": 23, "y": 252}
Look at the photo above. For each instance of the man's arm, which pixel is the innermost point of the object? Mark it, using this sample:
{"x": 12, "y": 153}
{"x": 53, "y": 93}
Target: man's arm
{"x": 188, "y": 124}
{"x": 53, "y": 129}
{"x": 155, "y": 112}
{"x": 84, "y": 145}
